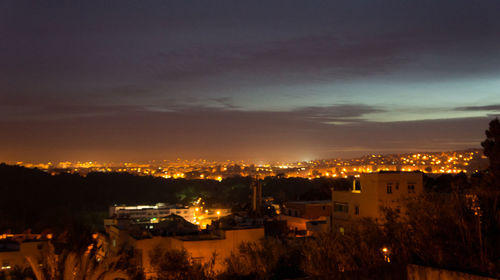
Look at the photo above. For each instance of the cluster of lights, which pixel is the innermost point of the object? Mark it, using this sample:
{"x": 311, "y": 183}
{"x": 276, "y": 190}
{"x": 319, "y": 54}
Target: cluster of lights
{"x": 440, "y": 163}
{"x": 202, "y": 216}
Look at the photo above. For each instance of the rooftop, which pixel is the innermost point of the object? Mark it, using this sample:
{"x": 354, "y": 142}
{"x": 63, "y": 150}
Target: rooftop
{"x": 310, "y": 202}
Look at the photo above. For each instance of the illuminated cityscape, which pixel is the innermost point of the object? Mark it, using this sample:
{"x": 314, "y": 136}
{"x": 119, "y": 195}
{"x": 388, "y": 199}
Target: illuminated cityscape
{"x": 466, "y": 161}
{"x": 254, "y": 140}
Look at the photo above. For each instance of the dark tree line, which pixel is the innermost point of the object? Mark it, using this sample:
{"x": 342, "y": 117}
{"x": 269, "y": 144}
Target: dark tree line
{"x": 31, "y": 198}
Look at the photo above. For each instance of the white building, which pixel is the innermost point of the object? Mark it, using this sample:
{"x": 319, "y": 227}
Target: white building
{"x": 154, "y": 213}
{"x": 151, "y": 212}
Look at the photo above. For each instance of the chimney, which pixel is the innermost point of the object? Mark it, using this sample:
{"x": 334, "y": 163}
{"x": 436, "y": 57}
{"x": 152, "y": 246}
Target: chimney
{"x": 254, "y": 197}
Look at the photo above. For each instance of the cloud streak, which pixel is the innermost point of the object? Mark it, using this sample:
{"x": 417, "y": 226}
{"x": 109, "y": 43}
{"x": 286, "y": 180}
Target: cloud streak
{"x": 495, "y": 107}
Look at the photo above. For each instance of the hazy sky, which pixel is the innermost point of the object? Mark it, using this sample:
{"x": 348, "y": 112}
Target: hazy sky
{"x": 252, "y": 80}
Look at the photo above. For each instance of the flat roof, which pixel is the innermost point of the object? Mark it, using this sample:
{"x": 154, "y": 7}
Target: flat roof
{"x": 310, "y": 202}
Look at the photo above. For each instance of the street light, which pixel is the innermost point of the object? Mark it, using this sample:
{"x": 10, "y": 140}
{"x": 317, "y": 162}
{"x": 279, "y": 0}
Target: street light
{"x": 386, "y": 252}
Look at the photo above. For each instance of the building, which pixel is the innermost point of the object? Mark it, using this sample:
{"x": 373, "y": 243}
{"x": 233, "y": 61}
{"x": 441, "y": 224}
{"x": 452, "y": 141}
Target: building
{"x": 18, "y": 250}
{"x": 304, "y": 217}
{"x": 195, "y": 214}
{"x": 201, "y": 247}
{"x": 374, "y": 191}
{"x": 151, "y": 212}
{"x": 368, "y": 195}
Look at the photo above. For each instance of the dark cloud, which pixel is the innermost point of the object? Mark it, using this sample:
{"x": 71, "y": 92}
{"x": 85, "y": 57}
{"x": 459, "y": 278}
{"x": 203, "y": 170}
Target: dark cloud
{"x": 495, "y": 107}
{"x": 147, "y": 42}
{"x": 226, "y": 102}
{"x": 344, "y": 113}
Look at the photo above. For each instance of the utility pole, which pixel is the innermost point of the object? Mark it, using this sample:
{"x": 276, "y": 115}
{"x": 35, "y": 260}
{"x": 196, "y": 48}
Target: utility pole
{"x": 332, "y": 209}
{"x": 480, "y": 232}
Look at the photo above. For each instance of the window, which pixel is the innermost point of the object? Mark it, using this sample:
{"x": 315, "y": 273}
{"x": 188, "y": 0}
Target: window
{"x": 341, "y": 207}
{"x": 411, "y": 187}
{"x": 356, "y": 210}
{"x": 198, "y": 260}
{"x": 389, "y": 187}
{"x": 356, "y": 186}
{"x": 397, "y": 186}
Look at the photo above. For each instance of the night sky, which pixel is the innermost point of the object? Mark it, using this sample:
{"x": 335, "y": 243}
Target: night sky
{"x": 251, "y": 80}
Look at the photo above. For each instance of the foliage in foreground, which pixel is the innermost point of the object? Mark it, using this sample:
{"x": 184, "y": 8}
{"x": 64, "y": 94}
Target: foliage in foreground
{"x": 177, "y": 265}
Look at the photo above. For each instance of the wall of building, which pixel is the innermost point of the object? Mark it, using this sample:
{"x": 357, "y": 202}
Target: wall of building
{"x": 10, "y": 259}
{"x": 399, "y": 182}
{"x": 151, "y": 211}
{"x": 307, "y": 209}
{"x": 373, "y": 194}
{"x": 199, "y": 250}
{"x": 294, "y": 223}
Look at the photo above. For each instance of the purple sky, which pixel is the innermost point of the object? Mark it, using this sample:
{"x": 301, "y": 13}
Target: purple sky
{"x": 252, "y": 80}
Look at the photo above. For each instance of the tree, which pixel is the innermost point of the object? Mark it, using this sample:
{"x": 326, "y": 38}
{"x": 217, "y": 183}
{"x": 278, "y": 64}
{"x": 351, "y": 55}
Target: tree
{"x": 177, "y": 265}
{"x": 337, "y": 253}
{"x": 491, "y": 148}
{"x": 56, "y": 264}
{"x": 488, "y": 195}
{"x": 268, "y": 259}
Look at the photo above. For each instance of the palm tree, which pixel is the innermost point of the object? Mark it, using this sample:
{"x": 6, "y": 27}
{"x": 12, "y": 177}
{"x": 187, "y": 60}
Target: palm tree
{"x": 75, "y": 265}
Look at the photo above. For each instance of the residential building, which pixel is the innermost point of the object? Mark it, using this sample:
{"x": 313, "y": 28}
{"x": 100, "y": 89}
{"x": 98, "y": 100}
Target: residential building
{"x": 18, "y": 250}
{"x": 201, "y": 247}
{"x": 298, "y": 214}
{"x": 374, "y": 191}
{"x": 151, "y": 212}
{"x": 195, "y": 214}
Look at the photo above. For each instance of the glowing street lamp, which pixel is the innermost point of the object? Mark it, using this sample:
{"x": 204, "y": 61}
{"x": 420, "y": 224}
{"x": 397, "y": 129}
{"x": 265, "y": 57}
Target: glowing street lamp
{"x": 386, "y": 252}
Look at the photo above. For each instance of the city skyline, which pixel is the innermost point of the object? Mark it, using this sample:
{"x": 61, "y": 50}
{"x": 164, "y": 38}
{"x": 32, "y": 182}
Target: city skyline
{"x": 469, "y": 161}
{"x": 259, "y": 81}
